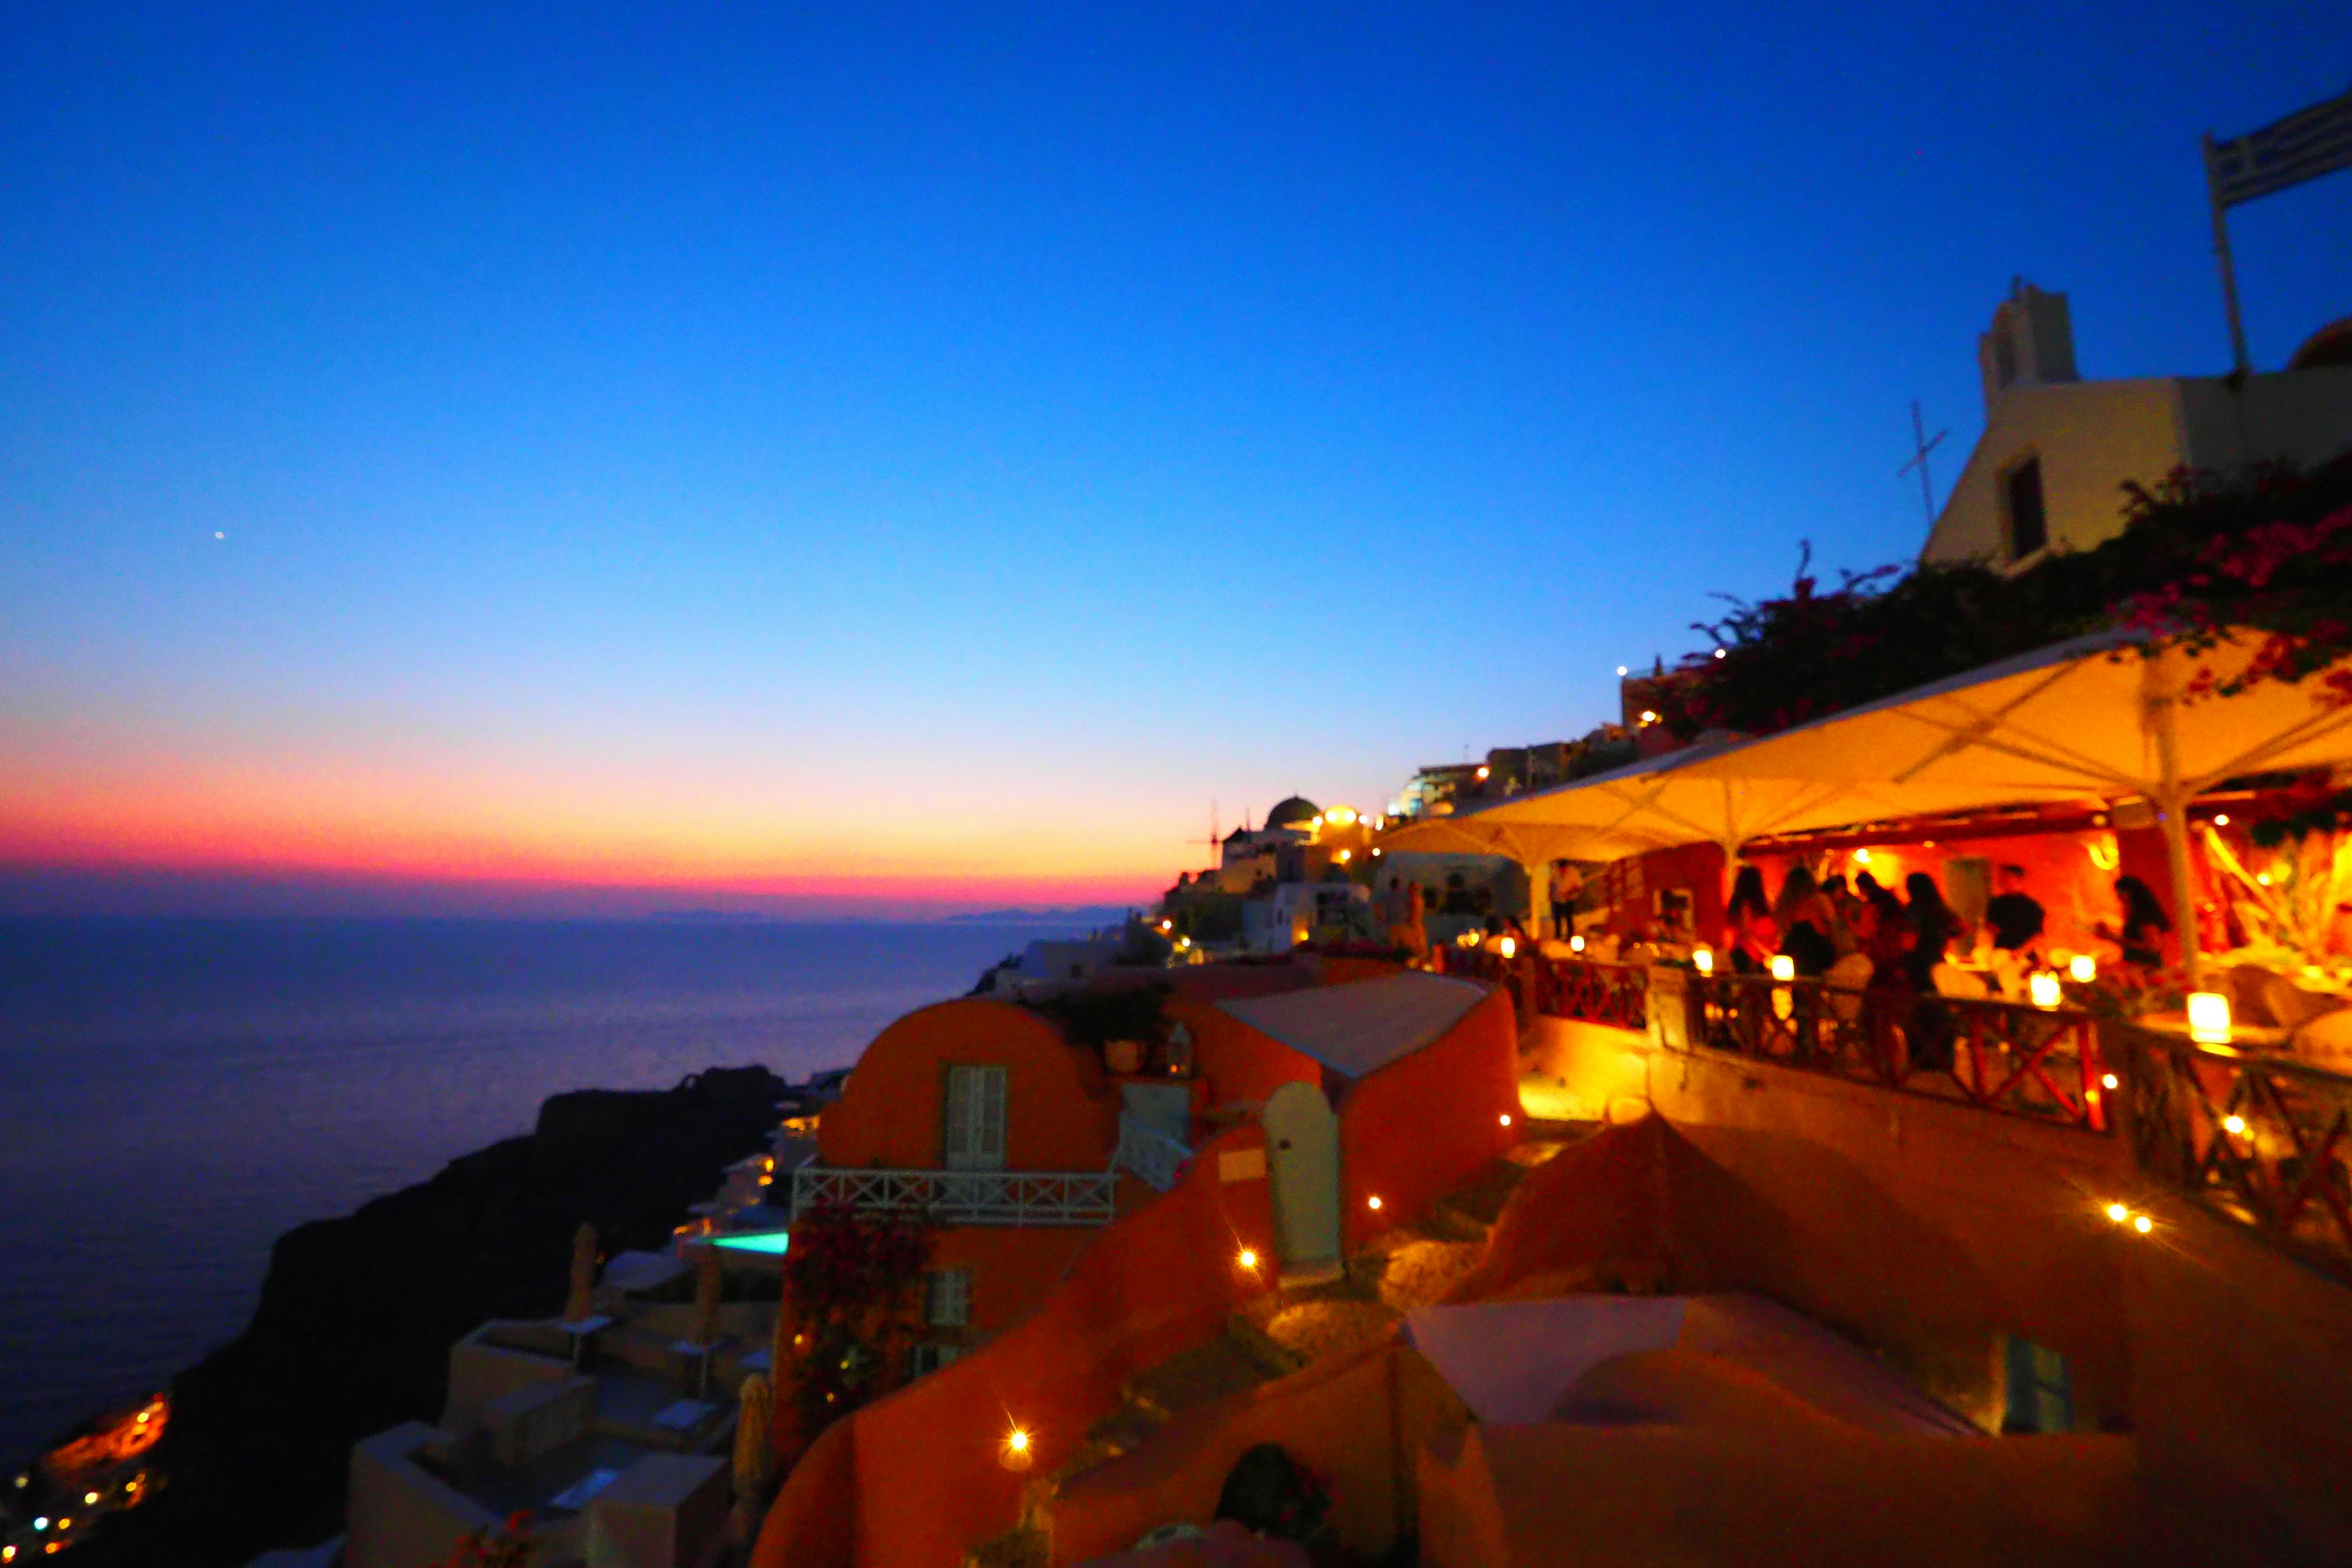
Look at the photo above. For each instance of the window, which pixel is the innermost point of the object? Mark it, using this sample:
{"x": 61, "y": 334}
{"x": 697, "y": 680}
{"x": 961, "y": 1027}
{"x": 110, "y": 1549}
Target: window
{"x": 930, "y": 1358}
{"x": 947, "y": 1298}
{"x": 973, "y": 1139}
{"x": 2041, "y": 1398}
{"x": 2029, "y": 529}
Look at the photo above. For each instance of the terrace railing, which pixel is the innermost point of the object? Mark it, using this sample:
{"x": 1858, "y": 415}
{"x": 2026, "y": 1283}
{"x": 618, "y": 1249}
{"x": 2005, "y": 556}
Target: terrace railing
{"x": 2041, "y": 1063}
{"x": 2263, "y": 1140}
{"x": 1156, "y": 1159}
{"x": 965, "y": 1197}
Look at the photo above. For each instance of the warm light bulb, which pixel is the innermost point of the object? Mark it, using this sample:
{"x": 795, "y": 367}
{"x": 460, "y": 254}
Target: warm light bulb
{"x": 2209, "y": 1017}
{"x": 1506, "y": 1119}
{"x": 1783, "y": 967}
{"x": 2109, "y": 1080}
{"x": 1704, "y": 961}
{"x": 2117, "y": 1213}
{"x": 1018, "y": 1442}
{"x": 1576, "y": 944}
{"x": 92, "y": 1496}
{"x": 1373, "y": 1201}
{"x": 1511, "y": 946}
{"x": 1248, "y": 1258}
{"x": 2236, "y": 1124}
{"x": 2143, "y": 1224}
{"x": 2082, "y": 968}
{"x": 2042, "y": 986}
{"x": 1861, "y": 857}
{"x": 2221, "y": 819}
{"x": 1649, "y": 716}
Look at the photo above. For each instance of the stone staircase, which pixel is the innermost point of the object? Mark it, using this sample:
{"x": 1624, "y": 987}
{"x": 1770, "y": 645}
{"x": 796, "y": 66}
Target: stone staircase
{"x": 1283, "y": 1329}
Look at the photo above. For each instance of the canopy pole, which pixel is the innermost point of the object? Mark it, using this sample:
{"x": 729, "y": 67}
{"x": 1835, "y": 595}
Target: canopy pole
{"x": 2161, "y": 696}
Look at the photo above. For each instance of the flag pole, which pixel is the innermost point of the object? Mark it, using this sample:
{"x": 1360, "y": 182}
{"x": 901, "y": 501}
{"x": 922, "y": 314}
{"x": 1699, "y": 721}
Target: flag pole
{"x": 2244, "y": 365}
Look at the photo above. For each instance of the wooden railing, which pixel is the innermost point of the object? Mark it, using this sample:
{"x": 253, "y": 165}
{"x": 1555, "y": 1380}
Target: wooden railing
{"x": 2263, "y": 1140}
{"x": 2042, "y": 1063}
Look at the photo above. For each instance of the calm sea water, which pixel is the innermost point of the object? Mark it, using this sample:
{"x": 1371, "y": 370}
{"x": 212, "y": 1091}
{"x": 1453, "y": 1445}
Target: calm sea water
{"x": 173, "y": 1094}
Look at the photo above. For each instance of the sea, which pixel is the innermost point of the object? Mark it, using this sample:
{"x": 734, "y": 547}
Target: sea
{"x": 176, "y": 1093}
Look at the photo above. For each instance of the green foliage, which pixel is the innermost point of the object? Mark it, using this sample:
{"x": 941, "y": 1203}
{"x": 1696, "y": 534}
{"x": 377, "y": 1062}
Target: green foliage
{"x": 850, "y": 1280}
{"x": 2268, "y": 547}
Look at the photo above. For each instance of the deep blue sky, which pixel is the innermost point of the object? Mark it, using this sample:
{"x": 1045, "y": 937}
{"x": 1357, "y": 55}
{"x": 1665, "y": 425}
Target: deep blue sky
{"x": 946, "y": 444}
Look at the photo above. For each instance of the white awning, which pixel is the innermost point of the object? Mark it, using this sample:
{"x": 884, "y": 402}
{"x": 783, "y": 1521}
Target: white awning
{"x": 1357, "y": 1029}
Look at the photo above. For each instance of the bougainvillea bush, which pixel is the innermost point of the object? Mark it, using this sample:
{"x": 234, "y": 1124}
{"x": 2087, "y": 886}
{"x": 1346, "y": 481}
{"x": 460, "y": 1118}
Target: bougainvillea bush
{"x": 850, "y": 1282}
{"x": 2268, "y": 548}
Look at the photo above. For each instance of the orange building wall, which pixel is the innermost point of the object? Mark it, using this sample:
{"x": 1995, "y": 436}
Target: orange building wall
{"x": 1422, "y": 1125}
{"x": 1060, "y": 1114}
{"x": 1012, "y": 1268}
{"x": 925, "y": 1481}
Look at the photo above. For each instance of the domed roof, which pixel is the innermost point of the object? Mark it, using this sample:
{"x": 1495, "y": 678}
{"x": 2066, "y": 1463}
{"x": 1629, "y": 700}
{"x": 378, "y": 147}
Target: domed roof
{"x": 1296, "y": 812}
{"x": 2331, "y": 345}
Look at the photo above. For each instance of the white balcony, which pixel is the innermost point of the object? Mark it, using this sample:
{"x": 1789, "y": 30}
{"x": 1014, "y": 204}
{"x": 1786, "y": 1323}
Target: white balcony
{"x": 1000, "y": 1197}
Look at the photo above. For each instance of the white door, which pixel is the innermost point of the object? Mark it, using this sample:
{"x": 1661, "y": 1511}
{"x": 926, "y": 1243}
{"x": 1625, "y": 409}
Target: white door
{"x": 975, "y": 1133}
{"x": 1302, "y": 1141}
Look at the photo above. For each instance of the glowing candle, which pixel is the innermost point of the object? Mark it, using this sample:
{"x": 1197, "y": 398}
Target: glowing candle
{"x": 2044, "y": 988}
{"x": 1783, "y": 967}
{"x": 1704, "y": 961}
{"x": 2083, "y": 968}
{"x": 2209, "y": 1018}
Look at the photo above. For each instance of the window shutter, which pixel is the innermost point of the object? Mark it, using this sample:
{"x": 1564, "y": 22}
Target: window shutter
{"x": 988, "y": 1139}
{"x": 956, "y": 1143}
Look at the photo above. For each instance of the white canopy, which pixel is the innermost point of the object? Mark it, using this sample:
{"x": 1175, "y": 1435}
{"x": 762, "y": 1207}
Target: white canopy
{"x": 2094, "y": 717}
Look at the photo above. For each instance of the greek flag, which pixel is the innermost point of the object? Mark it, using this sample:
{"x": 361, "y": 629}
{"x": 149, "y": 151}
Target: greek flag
{"x": 2303, "y": 146}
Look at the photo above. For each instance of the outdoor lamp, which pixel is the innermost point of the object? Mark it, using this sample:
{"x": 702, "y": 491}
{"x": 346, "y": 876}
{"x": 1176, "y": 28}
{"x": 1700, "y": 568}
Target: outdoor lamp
{"x": 1576, "y": 943}
{"x": 1248, "y": 1259}
{"x": 1783, "y": 967}
{"x": 2083, "y": 968}
{"x": 2209, "y": 1018}
{"x": 1511, "y": 946}
{"x": 1702, "y": 959}
{"x": 1373, "y": 1201}
{"x": 2117, "y": 1213}
{"x": 1017, "y": 1455}
{"x": 2042, "y": 986}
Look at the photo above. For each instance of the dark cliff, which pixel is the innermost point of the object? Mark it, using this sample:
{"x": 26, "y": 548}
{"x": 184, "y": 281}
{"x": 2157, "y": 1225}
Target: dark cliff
{"x": 357, "y": 1315}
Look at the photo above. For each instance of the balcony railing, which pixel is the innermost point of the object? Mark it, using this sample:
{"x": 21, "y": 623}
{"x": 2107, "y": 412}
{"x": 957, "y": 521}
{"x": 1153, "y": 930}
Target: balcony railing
{"x": 1156, "y": 1159}
{"x": 965, "y": 1197}
{"x": 1000, "y": 1197}
{"x": 2259, "y": 1140}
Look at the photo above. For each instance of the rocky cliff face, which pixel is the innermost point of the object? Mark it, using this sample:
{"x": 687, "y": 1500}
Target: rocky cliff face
{"x": 357, "y": 1315}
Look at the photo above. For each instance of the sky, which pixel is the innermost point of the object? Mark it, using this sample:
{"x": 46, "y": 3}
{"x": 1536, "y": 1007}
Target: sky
{"x": 875, "y": 459}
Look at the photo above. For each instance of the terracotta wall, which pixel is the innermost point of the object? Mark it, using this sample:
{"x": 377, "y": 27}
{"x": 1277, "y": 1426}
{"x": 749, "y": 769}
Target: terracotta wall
{"x": 1424, "y": 1124}
{"x": 1929, "y": 1231}
{"x": 923, "y": 1481}
{"x": 1060, "y": 1115}
{"x": 1355, "y": 1419}
{"x": 1013, "y": 1269}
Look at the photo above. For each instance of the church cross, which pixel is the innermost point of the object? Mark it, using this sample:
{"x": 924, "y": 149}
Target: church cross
{"x": 1922, "y": 445}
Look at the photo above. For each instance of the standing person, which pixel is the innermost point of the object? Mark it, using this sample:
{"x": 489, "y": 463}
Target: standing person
{"x": 1566, "y": 887}
{"x": 1806, "y": 920}
{"x": 1932, "y": 928}
{"x": 1750, "y": 936}
{"x": 1845, "y": 914}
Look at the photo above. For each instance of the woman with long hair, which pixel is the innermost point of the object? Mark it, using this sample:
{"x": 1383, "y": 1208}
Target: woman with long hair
{"x": 1932, "y": 928}
{"x": 1808, "y": 925}
{"x": 1750, "y": 936}
{"x": 2144, "y": 926}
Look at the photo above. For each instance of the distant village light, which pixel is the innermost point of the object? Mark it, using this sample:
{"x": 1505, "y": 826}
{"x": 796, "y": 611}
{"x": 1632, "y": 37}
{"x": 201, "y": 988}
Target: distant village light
{"x": 1718, "y": 653}
{"x": 1648, "y": 717}
{"x": 1484, "y": 772}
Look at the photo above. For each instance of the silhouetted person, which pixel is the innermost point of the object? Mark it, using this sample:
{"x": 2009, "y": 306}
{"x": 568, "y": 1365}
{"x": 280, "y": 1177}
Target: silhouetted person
{"x": 1750, "y": 936}
{"x": 2142, "y": 934}
{"x": 1806, "y": 920}
{"x": 2016, "y": 918}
